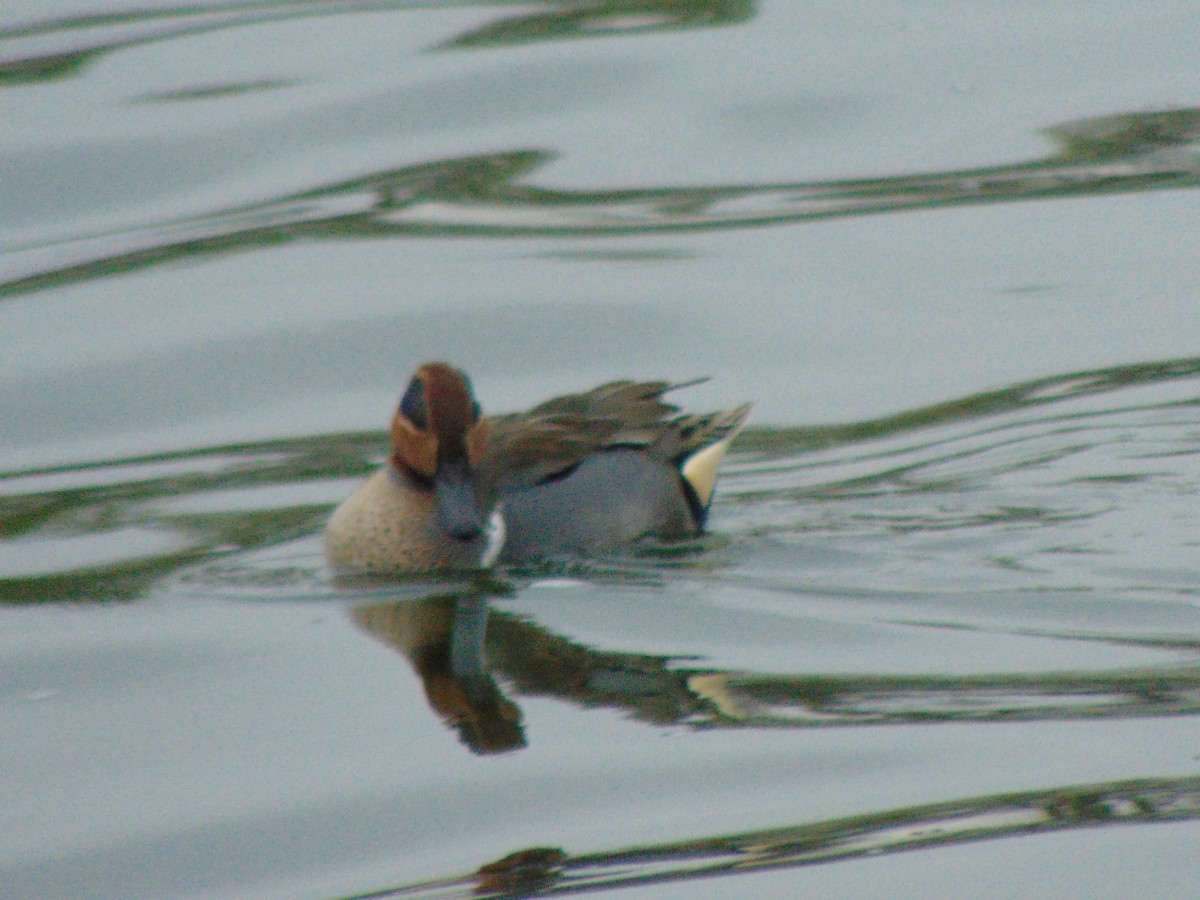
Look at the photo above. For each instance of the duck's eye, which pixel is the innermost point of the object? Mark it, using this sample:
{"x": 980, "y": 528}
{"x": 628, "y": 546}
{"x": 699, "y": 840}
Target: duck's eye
{"x": 412, "y": 404}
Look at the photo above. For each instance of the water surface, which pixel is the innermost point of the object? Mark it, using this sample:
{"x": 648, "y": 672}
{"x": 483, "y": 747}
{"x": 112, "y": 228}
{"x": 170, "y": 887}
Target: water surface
{"x": 945, "y": 626}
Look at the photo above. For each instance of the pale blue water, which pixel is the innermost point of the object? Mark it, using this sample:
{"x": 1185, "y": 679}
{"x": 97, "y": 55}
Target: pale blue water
{"x": 945, "y": 630}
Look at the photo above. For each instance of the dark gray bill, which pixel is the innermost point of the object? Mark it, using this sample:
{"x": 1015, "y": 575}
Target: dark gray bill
{"x": 458, "y": 510}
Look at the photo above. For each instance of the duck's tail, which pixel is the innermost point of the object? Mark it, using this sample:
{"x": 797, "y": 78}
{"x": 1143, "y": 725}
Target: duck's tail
{"x": 705, "y": 442}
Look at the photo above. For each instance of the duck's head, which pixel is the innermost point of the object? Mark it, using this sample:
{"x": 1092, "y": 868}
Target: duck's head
{"x": 439, "y": 437}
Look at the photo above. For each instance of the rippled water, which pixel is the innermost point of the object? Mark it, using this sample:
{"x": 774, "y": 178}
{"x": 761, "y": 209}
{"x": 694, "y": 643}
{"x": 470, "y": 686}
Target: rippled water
{"x": 945, "y": 627}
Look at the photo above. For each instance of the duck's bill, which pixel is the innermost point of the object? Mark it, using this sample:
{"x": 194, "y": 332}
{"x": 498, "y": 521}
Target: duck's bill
{"x": 458, "y": 509}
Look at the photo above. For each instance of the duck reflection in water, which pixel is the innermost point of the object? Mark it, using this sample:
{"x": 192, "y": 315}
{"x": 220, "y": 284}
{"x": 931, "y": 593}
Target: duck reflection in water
{"x": 444, "y": 639}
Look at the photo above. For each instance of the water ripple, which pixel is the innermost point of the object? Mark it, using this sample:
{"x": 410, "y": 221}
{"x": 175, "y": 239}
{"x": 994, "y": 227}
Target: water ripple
{"x": 492, "y": 195}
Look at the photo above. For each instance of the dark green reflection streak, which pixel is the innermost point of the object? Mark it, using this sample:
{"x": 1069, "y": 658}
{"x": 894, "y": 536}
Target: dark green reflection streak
{"x": 140, "y": 26}
{"x": 1024, "y": 395}
{"x": 605, "y": 18}
{"x": 131, "y": 503}
{"x": 552, "y": 21}
{"x": 549, "y": 871}
{"x": 489, "y": 196}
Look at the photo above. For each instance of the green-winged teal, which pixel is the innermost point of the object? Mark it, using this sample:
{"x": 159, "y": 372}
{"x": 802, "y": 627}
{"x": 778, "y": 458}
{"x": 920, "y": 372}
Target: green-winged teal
{"x": 581, "y": 473}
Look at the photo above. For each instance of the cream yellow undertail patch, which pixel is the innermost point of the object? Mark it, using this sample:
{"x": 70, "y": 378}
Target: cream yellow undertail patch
{"x": 700, "y": 470}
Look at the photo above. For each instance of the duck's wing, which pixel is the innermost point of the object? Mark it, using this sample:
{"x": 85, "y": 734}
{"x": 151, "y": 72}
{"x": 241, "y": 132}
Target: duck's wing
{"x": 529, "y": 447}
{"x": 632, "y": 403}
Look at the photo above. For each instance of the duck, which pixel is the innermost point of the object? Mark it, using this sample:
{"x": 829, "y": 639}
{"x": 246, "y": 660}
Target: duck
{"x": 581, "y": 474}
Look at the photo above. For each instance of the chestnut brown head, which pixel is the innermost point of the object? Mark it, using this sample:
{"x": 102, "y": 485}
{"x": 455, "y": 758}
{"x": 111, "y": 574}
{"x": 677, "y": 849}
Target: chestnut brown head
{"x": 439, "y": 437}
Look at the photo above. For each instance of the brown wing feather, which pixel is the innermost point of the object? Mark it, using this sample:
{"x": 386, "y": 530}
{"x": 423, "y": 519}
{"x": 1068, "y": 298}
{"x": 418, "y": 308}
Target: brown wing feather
{"x": 527, "y": 447}
{"x": 683, "y": 436}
